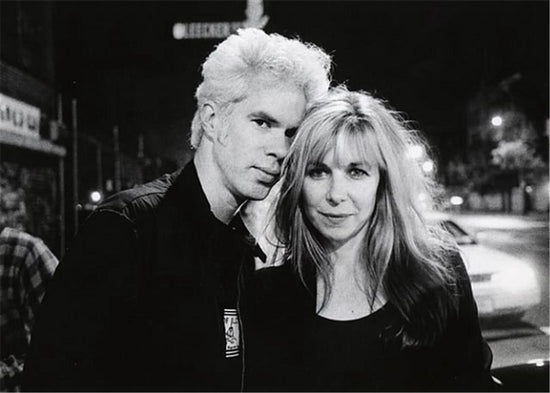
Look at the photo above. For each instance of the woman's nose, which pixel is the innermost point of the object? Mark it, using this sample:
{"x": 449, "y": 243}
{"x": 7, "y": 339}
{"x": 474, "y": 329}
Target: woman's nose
{"x": 336, "y": 192}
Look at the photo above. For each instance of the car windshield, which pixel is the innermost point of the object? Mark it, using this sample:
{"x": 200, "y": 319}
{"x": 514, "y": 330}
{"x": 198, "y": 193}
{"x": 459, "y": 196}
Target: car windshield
{"x": 461, "y": 236}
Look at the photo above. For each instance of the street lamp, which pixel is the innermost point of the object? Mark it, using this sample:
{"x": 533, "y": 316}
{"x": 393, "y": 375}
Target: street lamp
{"x": 496, "y": 121}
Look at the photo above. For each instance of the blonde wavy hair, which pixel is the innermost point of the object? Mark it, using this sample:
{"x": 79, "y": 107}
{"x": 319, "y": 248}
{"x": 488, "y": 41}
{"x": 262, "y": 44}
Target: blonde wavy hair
{"x": 404, "y": 256}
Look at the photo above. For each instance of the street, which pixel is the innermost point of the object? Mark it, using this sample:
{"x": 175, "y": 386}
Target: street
{"x": 527, "y": 238}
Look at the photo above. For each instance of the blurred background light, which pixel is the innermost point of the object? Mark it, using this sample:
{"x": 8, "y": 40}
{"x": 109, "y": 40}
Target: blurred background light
{"x": 456, "y": 200}
{"x": 496, "y": 121}
{"x": 95, "y": 196}
{"x": 428, "y": 166}
{"x": 415, "y": 152}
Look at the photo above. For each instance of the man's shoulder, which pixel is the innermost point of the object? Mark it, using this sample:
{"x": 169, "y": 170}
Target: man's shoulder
{"x": 140, "y": 201}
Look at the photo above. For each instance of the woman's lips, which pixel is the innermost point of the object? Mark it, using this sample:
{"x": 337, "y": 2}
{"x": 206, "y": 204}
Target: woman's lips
{"x": 335, "y": 219}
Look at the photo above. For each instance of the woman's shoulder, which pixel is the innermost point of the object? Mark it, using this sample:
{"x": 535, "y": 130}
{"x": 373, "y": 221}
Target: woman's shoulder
{"x": 457, "y": 264}
{"x": 455, "y": 259}
{"x": 276, "y": 294}
{"x": 275, "y": 281}
{"x": 273, "y": 276}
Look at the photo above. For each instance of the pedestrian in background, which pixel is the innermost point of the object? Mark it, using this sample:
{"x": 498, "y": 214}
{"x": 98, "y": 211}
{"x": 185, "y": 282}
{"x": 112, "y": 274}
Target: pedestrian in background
{"x": 151, "y": 295}
{"x": 26, "y": 267}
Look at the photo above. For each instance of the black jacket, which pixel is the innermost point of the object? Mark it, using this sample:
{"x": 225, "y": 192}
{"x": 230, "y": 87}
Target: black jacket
{"x": 137, "y": 302}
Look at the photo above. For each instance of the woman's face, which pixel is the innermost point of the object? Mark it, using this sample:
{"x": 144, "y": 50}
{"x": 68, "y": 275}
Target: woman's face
{"x": 339, "y": 195}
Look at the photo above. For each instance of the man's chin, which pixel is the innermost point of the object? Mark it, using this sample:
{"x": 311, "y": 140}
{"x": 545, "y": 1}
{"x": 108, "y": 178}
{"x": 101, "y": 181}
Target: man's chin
{"x": 259, "y": 192}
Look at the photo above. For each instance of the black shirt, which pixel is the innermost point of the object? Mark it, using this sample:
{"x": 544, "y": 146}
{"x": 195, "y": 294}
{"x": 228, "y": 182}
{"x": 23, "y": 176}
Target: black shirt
{"x": 343, "y": 355}
{"x": 293, "y": 349}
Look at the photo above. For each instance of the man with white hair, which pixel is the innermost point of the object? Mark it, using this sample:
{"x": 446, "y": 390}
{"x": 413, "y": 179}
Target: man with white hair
{"x": 150, "y": 295}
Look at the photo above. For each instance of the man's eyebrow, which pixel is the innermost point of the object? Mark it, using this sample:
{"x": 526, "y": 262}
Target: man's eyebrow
{"x": 265, "y": 116}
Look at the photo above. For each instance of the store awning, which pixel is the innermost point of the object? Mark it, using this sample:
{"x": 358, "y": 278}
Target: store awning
{"x": 31, "y": 143}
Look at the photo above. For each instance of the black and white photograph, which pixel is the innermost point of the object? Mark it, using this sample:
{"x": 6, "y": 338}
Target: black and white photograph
{"x": 274, "y": 195}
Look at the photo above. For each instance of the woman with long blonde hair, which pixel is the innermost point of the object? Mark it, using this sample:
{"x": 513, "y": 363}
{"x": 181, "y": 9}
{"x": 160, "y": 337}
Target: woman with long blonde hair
{"x": 371, "y": 297}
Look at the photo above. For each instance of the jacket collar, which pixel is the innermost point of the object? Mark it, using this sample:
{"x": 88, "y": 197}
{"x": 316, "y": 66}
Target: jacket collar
{"x": 186, "y": 225}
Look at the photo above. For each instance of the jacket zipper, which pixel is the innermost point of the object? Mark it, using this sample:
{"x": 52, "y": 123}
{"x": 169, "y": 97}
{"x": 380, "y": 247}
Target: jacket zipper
{"x": 241, "y": 329}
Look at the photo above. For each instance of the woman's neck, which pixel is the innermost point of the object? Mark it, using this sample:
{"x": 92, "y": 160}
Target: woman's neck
{"x": 349, "y": 281}
{"x": 346, "y": 257}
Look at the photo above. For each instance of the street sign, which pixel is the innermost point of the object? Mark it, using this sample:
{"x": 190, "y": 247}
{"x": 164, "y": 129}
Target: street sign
{"x": 212, "y": 30}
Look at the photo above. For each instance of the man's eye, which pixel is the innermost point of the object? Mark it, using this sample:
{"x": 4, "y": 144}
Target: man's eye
{"x": 356, "y": 173}
{"x": 317, "y": 173}
{"x": 262, "y": 123}
{"x": 290, "y": 132}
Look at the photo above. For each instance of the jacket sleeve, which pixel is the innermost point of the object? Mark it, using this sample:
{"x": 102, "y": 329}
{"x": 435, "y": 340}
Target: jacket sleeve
{"x": 78, "y": 325}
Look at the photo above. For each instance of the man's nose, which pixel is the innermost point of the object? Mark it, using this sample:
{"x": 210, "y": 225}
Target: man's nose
{"x": 336, "y": 192}
{"x": 278, "y": 145}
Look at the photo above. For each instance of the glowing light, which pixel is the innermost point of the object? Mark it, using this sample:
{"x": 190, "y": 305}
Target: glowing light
{"x": 496, "y": 121}
{"x": 456, "y": 200}
{"x": 529, "y": 189}
{"x": 428, "y": 166}
{"x": 415, "y": 152}
{"x": 95, "y": 196}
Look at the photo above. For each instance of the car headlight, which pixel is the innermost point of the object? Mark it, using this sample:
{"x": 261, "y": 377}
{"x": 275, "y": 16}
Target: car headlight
{"x": 515, "y": 279}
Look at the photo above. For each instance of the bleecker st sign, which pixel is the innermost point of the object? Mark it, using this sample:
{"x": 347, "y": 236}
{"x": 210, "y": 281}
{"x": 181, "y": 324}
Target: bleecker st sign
{"x": 207, "y": 30}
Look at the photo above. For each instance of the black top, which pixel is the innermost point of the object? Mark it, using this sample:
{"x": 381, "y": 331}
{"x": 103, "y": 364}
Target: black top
{"x": 343, "y": 355}
{"x": 293, "y": 349}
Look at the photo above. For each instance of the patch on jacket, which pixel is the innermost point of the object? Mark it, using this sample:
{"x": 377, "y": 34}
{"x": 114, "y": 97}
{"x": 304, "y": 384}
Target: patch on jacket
{"x": 232, "y": 332}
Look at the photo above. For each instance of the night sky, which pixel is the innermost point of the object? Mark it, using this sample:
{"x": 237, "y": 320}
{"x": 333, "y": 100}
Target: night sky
{"x": 427, "y": 59}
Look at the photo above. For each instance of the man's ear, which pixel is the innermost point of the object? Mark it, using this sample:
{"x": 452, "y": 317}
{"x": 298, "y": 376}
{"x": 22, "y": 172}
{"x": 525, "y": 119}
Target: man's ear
{"x": 208, "y": 113}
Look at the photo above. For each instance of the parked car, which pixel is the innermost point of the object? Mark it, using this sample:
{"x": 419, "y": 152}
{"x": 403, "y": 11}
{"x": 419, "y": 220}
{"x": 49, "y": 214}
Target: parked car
{"x": 503, "y": 285}
{"x": 531, "y": 376}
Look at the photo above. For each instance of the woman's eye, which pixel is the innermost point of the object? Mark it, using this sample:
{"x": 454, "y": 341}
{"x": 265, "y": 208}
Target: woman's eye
{"x": 356, "y": 173}
{"x": 317, "y": 173}
{"x": 262, "y": 123}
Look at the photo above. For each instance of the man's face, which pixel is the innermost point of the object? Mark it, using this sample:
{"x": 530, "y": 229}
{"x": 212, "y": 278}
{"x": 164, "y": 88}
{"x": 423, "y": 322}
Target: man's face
{"x": 253, "y": 138}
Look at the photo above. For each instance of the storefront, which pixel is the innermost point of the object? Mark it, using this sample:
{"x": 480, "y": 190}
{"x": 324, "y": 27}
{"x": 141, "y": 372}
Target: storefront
{"x": 32, "y": 172}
